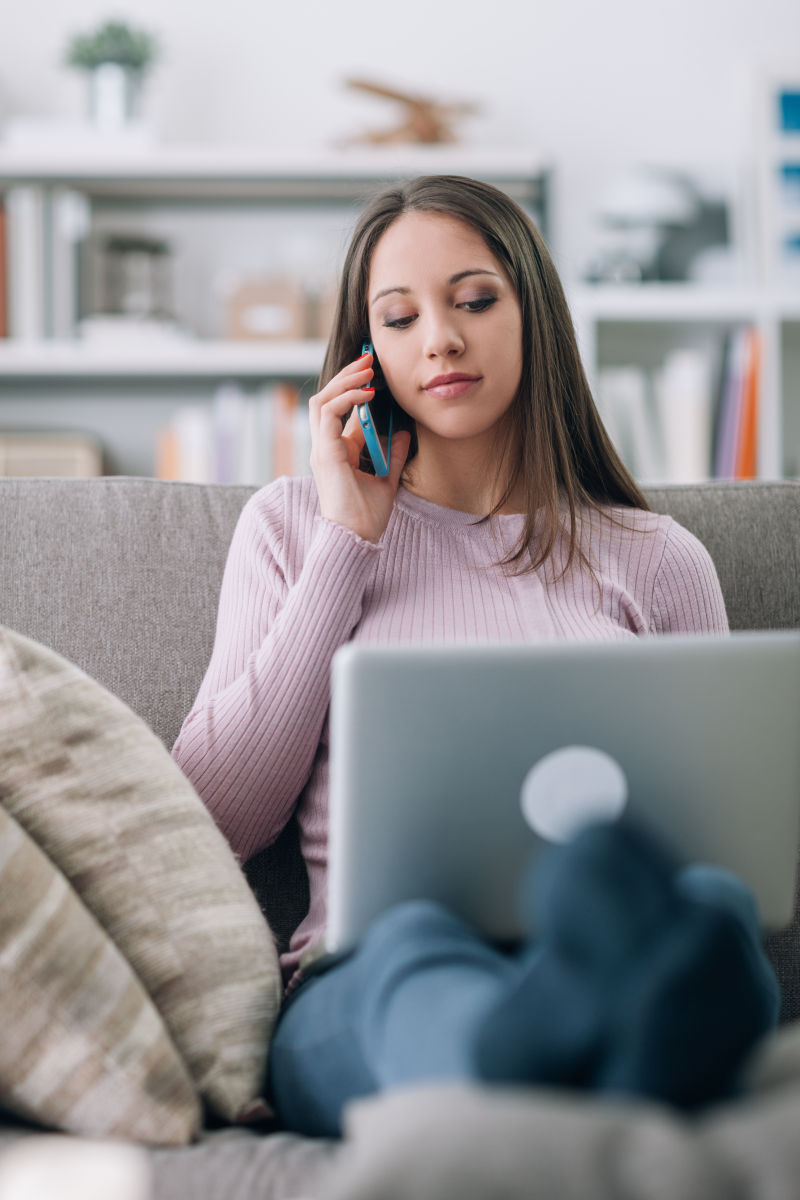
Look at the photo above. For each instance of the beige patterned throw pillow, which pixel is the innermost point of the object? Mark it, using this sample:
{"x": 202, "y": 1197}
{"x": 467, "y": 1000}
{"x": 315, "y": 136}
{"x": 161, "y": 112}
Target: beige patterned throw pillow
{"x": 94, "y": 787}
{"x": 82, "y": 1047}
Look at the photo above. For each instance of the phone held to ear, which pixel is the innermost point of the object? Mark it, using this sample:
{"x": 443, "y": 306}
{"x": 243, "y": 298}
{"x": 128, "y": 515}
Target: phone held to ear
{"x": 380, "y": 461}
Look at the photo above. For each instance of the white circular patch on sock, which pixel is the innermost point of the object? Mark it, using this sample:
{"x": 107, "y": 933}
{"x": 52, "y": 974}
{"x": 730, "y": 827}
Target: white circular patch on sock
{"x": 570, "y": 788}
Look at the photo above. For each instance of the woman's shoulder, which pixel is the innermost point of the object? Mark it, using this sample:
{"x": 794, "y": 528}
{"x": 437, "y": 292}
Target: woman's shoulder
{"x": 664, "y": 565}
{"x": 616, "y": 522}
{"x": 277, "y": 521}
{"x": 286, "y": 502}
{"x": 652, "y": 536}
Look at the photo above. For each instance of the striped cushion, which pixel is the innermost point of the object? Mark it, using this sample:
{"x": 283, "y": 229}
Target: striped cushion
{"x": 82, "y": 1046}
{"x": 98, "y": 792}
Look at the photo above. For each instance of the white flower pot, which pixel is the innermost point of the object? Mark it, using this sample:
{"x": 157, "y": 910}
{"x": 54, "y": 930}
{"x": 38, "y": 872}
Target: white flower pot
{"x": 114, "y": 95}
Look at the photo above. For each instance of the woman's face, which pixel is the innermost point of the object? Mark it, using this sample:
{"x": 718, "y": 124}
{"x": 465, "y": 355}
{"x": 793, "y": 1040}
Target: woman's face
{"x": 446, "y": 325}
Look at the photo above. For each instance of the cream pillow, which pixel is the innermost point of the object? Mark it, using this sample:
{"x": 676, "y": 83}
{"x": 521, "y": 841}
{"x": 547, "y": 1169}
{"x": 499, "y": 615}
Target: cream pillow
{"x": 94, "y": 787}
{"x": 82, "y": 1047}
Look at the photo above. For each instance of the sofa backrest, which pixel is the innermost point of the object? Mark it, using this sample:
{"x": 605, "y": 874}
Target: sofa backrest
{"x": 752, "y": 532}
{"x": 122, "y": 577}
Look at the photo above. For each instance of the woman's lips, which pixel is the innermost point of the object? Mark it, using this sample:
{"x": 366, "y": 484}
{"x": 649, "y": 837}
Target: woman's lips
{"x": 447, "y": 387}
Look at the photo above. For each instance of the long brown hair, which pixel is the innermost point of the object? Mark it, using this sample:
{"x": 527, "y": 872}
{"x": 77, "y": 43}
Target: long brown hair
{"x": 556, "y": 449}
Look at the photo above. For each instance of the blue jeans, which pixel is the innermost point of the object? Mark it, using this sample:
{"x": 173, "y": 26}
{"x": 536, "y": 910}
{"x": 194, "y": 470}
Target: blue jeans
{"x": 613, "y": 995}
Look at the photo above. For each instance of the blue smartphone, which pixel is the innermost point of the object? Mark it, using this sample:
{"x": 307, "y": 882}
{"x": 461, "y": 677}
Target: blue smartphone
{"x": 380, "y": 461}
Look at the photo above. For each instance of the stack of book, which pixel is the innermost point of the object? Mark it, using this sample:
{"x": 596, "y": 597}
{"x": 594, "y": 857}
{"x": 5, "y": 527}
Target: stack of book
{"x": 41, "y": 232}
{"x": 43, "y": 454}
{"x": 695, "y": 418}
{"x": 3, "y": 272}
{"x": 237, "y": 438}
{"x": 736, "y": 425}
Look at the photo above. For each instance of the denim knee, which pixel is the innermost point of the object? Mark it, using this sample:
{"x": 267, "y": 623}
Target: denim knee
{"x": 413, "y": 920}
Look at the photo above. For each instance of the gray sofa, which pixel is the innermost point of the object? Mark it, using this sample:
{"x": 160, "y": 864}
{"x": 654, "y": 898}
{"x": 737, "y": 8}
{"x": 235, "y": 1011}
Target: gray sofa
{"x": 122, "y": 577}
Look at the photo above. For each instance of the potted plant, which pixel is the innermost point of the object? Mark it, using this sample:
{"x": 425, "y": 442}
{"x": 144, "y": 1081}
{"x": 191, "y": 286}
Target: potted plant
{"x": 116, "y": 58}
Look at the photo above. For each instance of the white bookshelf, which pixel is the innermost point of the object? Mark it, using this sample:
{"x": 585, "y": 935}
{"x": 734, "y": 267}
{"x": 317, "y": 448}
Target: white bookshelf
{"x": 624, "y": 325}
{"x": 119, "y": 388}
{"x": 122, "y": 390}
{"x": 241, "y": 171}
{"x": 778, "y": 198}
{"x": 683, "y": 302}
{"x": 192, "y": 359}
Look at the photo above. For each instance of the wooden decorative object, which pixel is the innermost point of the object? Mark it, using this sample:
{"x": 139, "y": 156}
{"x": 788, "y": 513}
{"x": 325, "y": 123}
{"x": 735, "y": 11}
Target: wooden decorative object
{"x": 425, "y": 121}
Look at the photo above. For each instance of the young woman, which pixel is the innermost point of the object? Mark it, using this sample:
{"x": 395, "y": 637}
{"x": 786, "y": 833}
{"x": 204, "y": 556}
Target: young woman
{"x": 506, "y": 514}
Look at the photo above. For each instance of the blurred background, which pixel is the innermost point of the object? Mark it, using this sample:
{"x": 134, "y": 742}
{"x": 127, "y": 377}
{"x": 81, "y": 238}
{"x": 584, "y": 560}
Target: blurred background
{"x": 177, "y": 186}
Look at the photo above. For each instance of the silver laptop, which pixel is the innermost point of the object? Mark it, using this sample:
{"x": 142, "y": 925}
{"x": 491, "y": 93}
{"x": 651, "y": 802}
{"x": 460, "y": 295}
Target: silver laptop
{"x": 451, "y": 766}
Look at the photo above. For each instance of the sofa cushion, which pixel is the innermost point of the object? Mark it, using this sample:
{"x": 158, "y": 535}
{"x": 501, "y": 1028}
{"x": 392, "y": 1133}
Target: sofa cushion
{"x": 446, "y": 1140}
{"x": 94, "y": 787}
{"x": 83, "y": 1048}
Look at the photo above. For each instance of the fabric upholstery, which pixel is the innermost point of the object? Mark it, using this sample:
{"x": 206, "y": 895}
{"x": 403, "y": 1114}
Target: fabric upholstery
{"x": 97, "y": 791}
{"x": 442, "y": 1141}
{"x": 82, "y": 1046}
{"x": 223, "y": 1164}
{"x": 752, "y": 532}
{"x": 122, "y": 576}
{"x": 139, "y": 565}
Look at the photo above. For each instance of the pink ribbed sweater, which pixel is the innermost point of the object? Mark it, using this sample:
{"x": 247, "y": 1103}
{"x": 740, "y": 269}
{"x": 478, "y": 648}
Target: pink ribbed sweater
{"x": 297, "y": 586}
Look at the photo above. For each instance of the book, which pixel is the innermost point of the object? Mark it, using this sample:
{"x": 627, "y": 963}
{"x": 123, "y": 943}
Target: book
{"x": 238, "y": 438}
{"x": 25, "y": 262}
{"x": 286, "y": 399}
{"x": 263, "y": 451}
{"x": 729, "y": 415}
{"x": 227, "y": 432}
{"x": 746, "y": 466}
{"x": 736, "y": 433}
{"x": 3, "y": 274}
{"x": 684, "y": 394}
{"x": 70, "y": 218}
{"x": 720, "y": 386}
{"x": 192, "y": 425}
{"x": 167, "y": 454}
{"x": 626, "y": 407}
{"x": 50, "y": 454}
{"x": 302, "y": 441}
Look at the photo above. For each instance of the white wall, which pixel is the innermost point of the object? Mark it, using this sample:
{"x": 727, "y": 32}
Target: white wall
{"x": 592, "y": 84}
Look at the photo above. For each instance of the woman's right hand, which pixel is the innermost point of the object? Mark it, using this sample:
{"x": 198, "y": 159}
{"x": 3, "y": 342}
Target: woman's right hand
{"x": 347, "y": 495}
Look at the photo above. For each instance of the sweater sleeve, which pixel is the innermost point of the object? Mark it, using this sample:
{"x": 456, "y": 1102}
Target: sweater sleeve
{"x": 687, "y": 597}
{"x": 249, "y": 742}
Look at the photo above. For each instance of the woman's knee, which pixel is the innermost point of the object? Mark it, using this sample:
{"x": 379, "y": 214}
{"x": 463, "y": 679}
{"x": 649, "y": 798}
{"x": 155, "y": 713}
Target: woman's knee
{"x": 412, "y": 919}
{"x": 419, "y": 932}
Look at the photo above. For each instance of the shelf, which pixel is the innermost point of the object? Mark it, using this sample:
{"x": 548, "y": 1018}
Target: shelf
{"x": 125, "y": 391}
{"x": 192, "y": 359}
{"x": 209, "y": 172}
{"x": 785, "y": 147}
{"x": 198, "y": 359}
{"x": 683, "y": 302}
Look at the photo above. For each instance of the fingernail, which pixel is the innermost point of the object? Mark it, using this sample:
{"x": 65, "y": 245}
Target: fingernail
{"x": 363, "y": 356}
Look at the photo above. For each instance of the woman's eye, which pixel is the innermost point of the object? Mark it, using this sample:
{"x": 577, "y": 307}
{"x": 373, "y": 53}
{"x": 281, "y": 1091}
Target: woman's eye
{"x": 397, "y": 322}
{"x": 480, "y": 304}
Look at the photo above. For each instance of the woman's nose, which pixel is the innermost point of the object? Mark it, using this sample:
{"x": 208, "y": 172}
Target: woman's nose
{"x": 443, "y": 338}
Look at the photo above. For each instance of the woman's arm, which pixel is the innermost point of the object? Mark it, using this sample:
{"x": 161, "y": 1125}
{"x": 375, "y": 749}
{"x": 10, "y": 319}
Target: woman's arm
{"x": 249, "y": 742}
{"x": 687, "y": 597}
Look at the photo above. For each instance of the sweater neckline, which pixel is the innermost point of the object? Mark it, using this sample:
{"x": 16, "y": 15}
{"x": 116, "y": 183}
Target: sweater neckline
{"x": 452, "y": 518}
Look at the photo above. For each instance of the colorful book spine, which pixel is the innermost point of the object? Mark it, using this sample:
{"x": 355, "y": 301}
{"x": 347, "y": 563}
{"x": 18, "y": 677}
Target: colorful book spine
{"x": 747, "y": 442}
{"x": 3, "y": 274}
{"x": 736, "y": 435}
{"x": 237, "y": 438}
